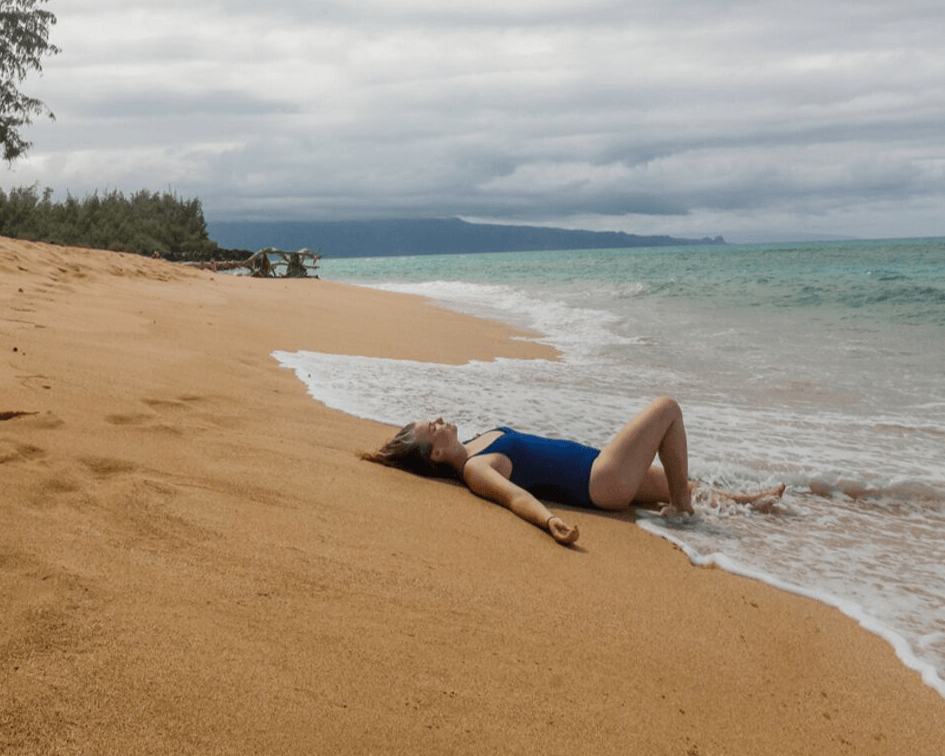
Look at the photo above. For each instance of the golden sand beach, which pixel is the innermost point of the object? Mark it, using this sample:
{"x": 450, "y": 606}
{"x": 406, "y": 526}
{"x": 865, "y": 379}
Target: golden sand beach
{"x": 193, "y": 560}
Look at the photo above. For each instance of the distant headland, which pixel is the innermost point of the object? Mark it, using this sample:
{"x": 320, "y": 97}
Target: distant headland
{"x": 384, "y": 238}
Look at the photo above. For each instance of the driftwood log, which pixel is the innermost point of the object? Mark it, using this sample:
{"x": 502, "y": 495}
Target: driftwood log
{"x": 270, "y": 263}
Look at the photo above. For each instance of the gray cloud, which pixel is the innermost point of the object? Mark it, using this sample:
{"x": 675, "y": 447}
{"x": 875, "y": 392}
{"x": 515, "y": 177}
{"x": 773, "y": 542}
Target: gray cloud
{"x": 685, "y": 117}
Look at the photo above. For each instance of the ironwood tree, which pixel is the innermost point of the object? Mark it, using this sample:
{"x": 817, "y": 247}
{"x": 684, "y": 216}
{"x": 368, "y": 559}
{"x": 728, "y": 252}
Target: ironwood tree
{"x": 24, "y": 41}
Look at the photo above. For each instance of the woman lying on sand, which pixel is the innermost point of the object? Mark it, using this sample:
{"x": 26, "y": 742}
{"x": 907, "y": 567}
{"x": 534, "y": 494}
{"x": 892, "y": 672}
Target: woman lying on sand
{"x": 514, "y": 468}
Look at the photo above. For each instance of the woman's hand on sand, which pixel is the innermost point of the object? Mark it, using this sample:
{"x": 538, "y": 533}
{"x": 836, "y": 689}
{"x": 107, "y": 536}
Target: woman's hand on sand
{"x": 561, "y": 531}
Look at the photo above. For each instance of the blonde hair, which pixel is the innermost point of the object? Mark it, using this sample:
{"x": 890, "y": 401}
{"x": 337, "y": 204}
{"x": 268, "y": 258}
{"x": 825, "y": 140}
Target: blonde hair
{"x": 404, "y": 452}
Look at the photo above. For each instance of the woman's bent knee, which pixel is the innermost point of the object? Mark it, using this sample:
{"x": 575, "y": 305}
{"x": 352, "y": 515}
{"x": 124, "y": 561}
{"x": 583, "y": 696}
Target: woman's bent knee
{"x": 664, "y": 409}
{"x": 667, "y": 404}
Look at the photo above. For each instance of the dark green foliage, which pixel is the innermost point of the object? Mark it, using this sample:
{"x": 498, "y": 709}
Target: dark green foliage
{"x": 145, "y": 223}
{"x": 24, "y": 39}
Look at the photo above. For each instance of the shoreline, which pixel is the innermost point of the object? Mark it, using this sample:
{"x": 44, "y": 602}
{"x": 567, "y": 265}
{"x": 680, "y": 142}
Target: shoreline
{"x": 898, "y": 639}
{"x": 195, "y": 561}
{"x": 902, "y": 648}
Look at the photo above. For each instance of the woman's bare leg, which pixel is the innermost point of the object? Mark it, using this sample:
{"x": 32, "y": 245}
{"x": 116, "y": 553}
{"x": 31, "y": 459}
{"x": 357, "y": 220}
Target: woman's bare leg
{"x": 765, "y": 502}
{"x": 623, "y": 469}
{"x": 654, "y": 492}
{"x": 752, "y": 498}
{"x": 654, "y": 489}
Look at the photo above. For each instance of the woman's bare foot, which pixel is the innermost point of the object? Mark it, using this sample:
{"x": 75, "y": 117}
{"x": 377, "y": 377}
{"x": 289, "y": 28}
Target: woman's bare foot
{"x": 777, "y": 493}
{"x": 670, "y": 511}
{"x": 766, "y": 502}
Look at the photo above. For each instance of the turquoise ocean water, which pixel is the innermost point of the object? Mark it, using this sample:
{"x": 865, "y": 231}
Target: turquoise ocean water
{"x": 820, "y": 365}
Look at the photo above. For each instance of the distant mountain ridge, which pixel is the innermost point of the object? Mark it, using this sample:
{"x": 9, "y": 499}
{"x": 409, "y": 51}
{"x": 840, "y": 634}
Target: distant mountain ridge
{"x": 423, "y": 237}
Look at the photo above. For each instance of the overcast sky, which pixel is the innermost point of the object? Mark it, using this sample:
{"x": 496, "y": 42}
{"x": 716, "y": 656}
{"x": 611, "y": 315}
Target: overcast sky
{"x": 748, "y": 118}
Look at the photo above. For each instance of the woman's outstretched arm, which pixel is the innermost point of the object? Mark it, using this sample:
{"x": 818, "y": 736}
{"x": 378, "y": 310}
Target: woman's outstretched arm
{"x": 486, "y": 481}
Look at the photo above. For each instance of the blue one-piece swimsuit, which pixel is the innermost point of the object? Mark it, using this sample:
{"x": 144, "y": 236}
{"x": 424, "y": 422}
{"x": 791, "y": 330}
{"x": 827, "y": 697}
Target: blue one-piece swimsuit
{"x": 547, "y": 468}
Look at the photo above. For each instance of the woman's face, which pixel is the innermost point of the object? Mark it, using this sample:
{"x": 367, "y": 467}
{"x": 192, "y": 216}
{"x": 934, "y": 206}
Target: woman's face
{"x": 437, "y": 433}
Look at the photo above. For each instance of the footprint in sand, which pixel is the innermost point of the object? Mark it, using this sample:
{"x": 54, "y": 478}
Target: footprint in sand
{"x": 165, "y": 404}
{"x": 107, "y": 467}
{"x": 13, "y": 452}
{"x": 135, "y": 418}
{"x": 149, "y": 421}
{"x": 35, "y": 382}
{"x": 183, "y": 414}
{"x": 62, "y": 483}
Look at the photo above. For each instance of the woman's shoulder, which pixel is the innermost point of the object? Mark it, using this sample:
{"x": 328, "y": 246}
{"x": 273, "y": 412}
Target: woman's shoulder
{"x": 482, "y": 464}
{"x": 483, "y": 441}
